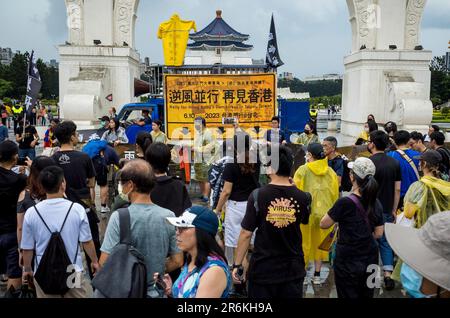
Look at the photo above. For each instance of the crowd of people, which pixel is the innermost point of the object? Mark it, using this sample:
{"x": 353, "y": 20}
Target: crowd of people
{"x": 261, "y": 223}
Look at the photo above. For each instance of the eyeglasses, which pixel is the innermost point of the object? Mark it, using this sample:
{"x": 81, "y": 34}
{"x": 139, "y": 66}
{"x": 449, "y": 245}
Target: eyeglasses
{"x": 182, "y": 229}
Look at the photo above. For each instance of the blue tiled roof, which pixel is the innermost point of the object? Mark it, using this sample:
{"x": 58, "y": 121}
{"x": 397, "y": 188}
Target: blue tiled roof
{"x": 237, "y": 44}
{"x": 219, "y": 27}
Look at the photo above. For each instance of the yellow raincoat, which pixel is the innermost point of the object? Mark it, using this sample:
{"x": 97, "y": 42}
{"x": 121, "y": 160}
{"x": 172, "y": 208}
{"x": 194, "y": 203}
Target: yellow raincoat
{"x": 175, "y": 35}
{"x": 424, "y": 198}
{"x": 321, "y": 182}
{"x": 427, "y": 197}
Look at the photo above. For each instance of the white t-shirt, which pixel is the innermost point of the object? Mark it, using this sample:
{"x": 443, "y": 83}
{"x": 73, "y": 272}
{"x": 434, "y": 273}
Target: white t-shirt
{"x": 35, "y": 235}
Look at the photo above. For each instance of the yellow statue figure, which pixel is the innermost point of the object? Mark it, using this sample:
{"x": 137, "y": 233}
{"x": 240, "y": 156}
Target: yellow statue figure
{"x": 175, "y": 35}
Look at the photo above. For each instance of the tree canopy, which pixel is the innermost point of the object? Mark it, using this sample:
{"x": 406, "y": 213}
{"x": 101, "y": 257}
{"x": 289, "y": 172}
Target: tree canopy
{"x": 13, "y": 78}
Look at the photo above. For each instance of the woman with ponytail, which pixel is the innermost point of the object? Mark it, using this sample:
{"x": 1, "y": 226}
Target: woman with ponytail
{"x": 143, "y": 142}
{"x": 360, "y": 222}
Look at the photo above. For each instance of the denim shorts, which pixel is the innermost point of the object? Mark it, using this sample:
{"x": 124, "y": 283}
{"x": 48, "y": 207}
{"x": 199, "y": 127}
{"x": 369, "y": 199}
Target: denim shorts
{"x": 9, "y": 255}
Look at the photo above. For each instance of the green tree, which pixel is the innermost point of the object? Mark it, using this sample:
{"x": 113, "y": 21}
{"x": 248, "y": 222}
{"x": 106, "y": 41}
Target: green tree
{"x": 50, "y": 80}
{"x": 440, "y": 81}
{"x": 5, "y": 88}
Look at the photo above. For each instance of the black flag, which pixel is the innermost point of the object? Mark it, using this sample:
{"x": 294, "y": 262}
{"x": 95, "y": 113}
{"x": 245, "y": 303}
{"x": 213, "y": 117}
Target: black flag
{"x": 33, "y": 84}
{"x": 273, "y": 59}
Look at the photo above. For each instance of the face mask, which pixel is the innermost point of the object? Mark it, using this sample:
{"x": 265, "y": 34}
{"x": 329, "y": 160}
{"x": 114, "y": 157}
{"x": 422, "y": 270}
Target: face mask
{"x": 412, "y": 282}
{"x": 122, "y": 195}
{"x": 367, "y": 130}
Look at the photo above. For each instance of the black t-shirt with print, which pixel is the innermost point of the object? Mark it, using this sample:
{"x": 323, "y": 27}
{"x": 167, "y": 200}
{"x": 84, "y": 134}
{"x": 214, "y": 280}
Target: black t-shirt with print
{"x": 30, "y": 131}
{"x": 387, "y": 173}
{"x": 11, "y": 185}
{"x": 78, "y": 168}
{"x": 278, "y": 256}
{"x": 243, "y": 184}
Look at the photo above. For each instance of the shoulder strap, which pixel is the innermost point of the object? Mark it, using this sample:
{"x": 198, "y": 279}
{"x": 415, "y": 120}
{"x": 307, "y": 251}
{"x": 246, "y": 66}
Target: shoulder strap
{"x": 64, "y": 223}
{"x": 42, "y": 219}
{"x": 125, "y": 226}
{"x": 255, "y": 198}
{"x": 410, "y": 161}
{"x": 360, "y": 208}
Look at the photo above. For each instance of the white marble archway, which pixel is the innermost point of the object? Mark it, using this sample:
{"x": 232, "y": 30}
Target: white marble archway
{"x": 392, "y": 84}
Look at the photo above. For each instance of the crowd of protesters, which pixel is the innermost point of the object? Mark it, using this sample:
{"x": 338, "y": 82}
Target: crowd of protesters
{"x": 259, "y": 226}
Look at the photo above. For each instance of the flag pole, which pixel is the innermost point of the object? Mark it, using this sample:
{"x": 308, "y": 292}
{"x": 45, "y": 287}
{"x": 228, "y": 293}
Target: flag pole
{"x": 25, "y": 109}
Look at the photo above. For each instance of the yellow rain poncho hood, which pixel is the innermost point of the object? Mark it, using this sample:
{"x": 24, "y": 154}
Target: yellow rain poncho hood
{"x": 318, "y": 179}
{"x": 427, "y": 197}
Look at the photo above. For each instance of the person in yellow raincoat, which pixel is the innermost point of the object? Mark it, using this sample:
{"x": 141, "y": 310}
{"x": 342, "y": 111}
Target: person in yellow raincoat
{"x": 317, "y": 178}
{"x": 428, "y": 196}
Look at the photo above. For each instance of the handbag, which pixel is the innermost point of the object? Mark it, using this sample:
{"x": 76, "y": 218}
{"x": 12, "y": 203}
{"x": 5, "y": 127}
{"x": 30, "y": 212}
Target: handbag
{"x": 328, "y": 242}
{"x": 26, "y": 292}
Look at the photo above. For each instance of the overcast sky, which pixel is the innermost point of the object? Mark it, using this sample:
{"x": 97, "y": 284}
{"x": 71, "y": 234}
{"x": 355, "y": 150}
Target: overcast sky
{"x": 313, "y": 35}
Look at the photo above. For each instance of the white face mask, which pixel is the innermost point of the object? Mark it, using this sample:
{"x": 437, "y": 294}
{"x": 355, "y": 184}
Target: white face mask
{"x": 122, "y": 195}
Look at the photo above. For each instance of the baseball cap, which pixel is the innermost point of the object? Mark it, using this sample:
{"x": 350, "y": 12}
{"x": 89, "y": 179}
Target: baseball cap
{"x": 104, "y": 118}
{"x": 316, "y": 150}
{"x": 197, "y": 217}
{"x": 426, "y": 250}
{"x": 431, "y": 156}
{"x": 362, "y": 167}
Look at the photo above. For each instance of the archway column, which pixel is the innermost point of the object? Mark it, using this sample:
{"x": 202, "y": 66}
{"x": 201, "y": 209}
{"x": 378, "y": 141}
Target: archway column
{"x": 391, "y": 83}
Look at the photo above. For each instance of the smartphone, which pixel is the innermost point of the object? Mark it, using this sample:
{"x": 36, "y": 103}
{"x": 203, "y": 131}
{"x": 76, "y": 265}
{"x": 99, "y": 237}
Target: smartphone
{"x": 160, "y": 284}
{"x": 21, "y": 162}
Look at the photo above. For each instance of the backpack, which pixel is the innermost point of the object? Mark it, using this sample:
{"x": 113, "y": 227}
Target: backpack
{"x": 52, "y": 273}
{"x": 216, "y": 181}
{"x": 444, "y": 168}
{"x": 346, "y": 183}
{"x": 125, "y": 262}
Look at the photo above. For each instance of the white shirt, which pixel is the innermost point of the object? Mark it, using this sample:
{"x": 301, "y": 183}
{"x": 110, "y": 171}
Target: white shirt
{"x": 35, "y": 235}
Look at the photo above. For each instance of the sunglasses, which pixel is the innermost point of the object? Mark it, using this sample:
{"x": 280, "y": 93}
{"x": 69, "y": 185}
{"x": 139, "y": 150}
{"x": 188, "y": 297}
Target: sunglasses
{"x": 182, "y": 229}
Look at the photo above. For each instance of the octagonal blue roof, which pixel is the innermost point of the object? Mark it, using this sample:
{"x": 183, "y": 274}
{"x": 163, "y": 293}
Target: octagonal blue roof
{"x": 219, "y": 29}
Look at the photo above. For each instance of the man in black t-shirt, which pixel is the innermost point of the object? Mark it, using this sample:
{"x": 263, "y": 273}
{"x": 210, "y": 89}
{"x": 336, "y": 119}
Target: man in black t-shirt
{"x": 277, "y": 266}
{"x": 437, "y": 143}
{"x": 79, "y": 174}
{"x": 168, "y": 193}
{"x": 27, "y": 141}
{"x": 11, "y": 185}
{"x": 388, "y": 176}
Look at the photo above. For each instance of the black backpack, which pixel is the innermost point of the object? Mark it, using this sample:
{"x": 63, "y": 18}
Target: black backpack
{"x": 346, "y": 183}
{"x": 445, "y": 164}
{"x": 125, "y": 262}
{"x": 52, "y": 273}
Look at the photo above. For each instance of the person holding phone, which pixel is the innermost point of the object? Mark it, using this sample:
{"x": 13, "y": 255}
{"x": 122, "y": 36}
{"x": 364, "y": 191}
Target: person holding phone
{"x": 28, "y": 139}
{"x": 205, "y": 273}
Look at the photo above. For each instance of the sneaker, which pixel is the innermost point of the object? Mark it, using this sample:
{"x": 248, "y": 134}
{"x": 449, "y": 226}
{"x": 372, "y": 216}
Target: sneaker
{"x": 317, "y": 280}
{"x": 204, "y": 199}
{"x": 105, "y": 210}
{"x": 389, "y": 283}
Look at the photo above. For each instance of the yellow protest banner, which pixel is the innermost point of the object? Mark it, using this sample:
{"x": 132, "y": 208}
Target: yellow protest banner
{"x": 251, "y": 98}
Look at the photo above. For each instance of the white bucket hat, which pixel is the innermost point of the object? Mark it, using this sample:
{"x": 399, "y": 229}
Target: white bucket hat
{"x": 426, "y": 250}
